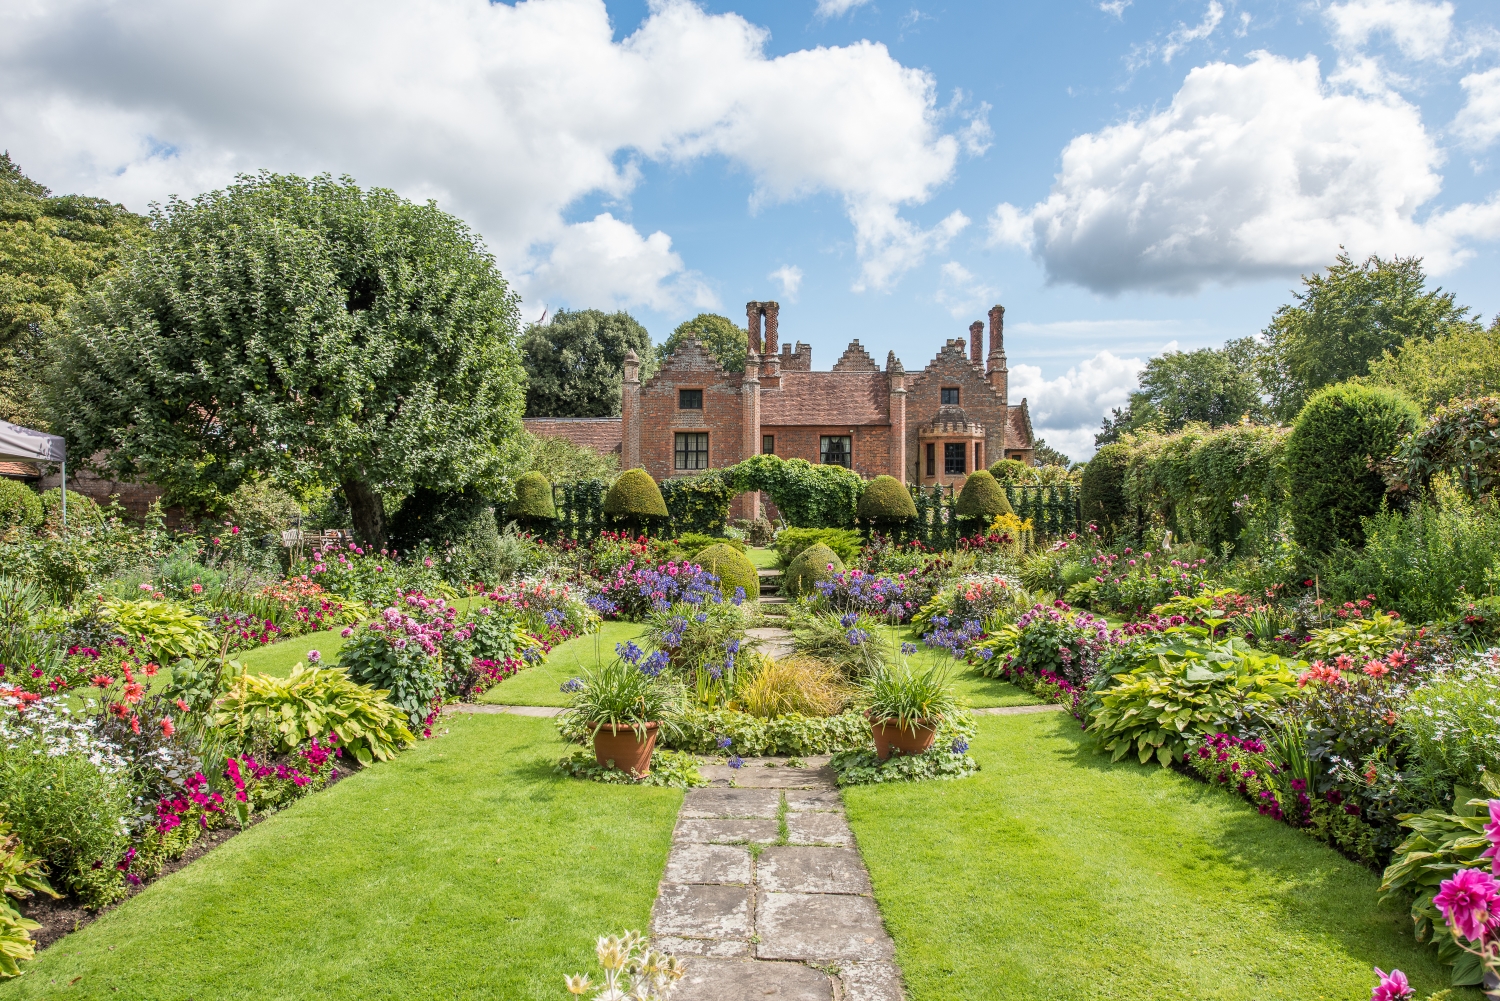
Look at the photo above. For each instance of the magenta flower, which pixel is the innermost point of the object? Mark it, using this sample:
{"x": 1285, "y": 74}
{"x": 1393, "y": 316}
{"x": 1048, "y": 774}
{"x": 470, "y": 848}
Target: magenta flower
{"x": 1492, "y": 831}
{"x": 1392, "y": 986}
{"x": 1466, "y": 901}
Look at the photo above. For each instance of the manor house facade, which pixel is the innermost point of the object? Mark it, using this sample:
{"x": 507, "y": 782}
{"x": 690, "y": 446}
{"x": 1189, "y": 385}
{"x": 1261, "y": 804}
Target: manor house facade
{"x": 934, "y": 426}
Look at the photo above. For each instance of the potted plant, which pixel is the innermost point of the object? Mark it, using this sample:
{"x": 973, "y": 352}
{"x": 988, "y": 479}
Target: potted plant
{"x": 625, "y": 707}
{"x": 904, "y": 708}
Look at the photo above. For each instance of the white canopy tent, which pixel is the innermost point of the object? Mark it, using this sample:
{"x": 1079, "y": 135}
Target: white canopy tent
{"x": 18, "y": 444}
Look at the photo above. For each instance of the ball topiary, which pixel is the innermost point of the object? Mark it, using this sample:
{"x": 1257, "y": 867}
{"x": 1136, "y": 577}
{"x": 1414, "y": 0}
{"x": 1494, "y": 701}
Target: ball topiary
{"x": 19, "y": 505}
{"x": 533, "y": 498}
{"x": 982, "y": 498}
{"x": 732, "y": 567}
{"x": 635, "y": 495}
{"x": 810, "y": 566}
{"x": 1013, "y": 471}
{"x": 1101, "y": 496}
{"x": 1332, "y": 458}
{"x": 886, "y": 500}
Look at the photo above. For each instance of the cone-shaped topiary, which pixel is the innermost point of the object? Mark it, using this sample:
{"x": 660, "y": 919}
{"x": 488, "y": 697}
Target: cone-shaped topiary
{"x": 982, "y": 498}
{"x": 810, "y": 566}
{"x": 533, "y": 498}
{"x": 885, "y": 500}
{"x": 732, "y": 567}
{"x": 635, "y": 495}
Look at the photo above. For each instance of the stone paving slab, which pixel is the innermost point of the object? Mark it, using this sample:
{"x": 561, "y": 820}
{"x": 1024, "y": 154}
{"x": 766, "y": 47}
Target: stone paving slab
{"x": 712, "y": 948}
{"x": 820, "y": 927}
{"x": 698, "y": 863}
{"x": 768, "y": 778}
{"x": 804, "y": 800}
{"x": 695, "y": 911}
{"x": 1017, "y": 710}
{"x": 740, "y": 980}
{"x": 798, "y": 869}
{"x": 473, "y": 707}
{"x": 723, "y": 832}
{"x": 731, "y": 803}
{"x": 819, "y": 829}
{"x": 871, "y": 982}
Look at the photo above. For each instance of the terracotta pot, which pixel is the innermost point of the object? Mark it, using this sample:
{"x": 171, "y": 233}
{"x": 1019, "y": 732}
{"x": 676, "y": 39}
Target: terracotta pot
{"x": 890, "y": 736}
{"x": 616, "y": 746}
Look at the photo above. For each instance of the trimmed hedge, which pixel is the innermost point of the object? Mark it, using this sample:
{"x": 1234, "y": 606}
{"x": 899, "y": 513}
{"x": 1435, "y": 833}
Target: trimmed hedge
{"x": 982, "y": 498}
{"x": 19, "y": 505}
{"x": 1013, "y": 471}
{"x": 82, "y": 510}
{"x": 1102, "y": 497}
{"x": 635, "y": 495}
{"x": 1333, "y": 455}
{"x": 533, "y": 498}
{"x": 732, "y": 567}
{"x": 810, "y": 566}
{"x": 886, "y": 500}
{"x": 790, "y": 542}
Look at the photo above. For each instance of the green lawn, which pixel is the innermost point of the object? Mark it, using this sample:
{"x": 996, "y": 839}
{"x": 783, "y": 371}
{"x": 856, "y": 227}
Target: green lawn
{"x": 278, "y": 659}
{"x": 764, "y": 559}
{"x": 541, "y": 685}
{"x": 463, "y": 869}
{"x": 1055, "y": 874}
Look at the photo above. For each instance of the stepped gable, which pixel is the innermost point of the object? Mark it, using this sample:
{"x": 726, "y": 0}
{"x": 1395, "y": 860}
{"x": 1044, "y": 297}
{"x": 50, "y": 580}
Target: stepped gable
{"x": 1020, "y": 425}
{"x": 855, "y": 359}
{"x": 692, "y": 356}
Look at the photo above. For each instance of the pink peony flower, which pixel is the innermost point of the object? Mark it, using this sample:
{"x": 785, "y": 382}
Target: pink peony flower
{"x": 1466, "y": 901}
{"x": 1392, "y": 986}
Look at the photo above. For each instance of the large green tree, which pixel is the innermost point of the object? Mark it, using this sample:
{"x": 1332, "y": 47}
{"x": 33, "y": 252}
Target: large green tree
{"x": 574, "y": 363}
{"x": 50, "y": 249}
{"x": 723, "y": 339}
{"x": 1214, "y": 386}
{"x": 1461, "y": 362}
{"x": 1344, "y": 319}
{"x": 301, "y": 331}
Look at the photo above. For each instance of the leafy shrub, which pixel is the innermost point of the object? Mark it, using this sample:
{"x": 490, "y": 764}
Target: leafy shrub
{"x": 1458, "y": 439}
{"x": 975, "y": 596}
{"x": 633, "y": 593}
{"x": 1367, "y": 634}
{"x": 316, "y": 702}
{"x": 798, "y": 684}
{"x": 1453, "y": 724}
{"x": 83, "y": 512}
{"x": 897, "y": 692}
{"x": 728, "y": 731}
{"x": 733, "y": 568}
{"x": 19, "y": 505}
{"x": 1102, "y": 497}
{"x": 399, "y": 655}
{"x": 533, "y": 498}
{"x": 689, "y": 544}
{"x": 981, "y": 499}
{"x": 807, "y": 495}
{"x": 354, "y": 572}
{"x": 1012, "y": 471}
{"x": 635, "y": 499}
{"x": 943, "y": 761}
{"x": 21, "y": 878}
{"x": 1137, "y": 582}
{"x": 700, "y": 503}
{"x": 1058, "y": 640}
{"x": 855, "y": 645}
{"x": 791, "y": 542}
{"x": 886, "y": 502}
{"x": 815, "y": 563}
{"x": 1337, "y": 441}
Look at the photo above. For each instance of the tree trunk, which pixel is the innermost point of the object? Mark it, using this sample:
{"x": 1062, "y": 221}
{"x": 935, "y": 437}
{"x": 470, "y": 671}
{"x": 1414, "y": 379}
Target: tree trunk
{"x": 368, "y": 512}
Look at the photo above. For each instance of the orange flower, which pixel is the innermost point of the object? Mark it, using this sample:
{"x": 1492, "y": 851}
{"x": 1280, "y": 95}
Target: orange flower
{"x": 134, "y": 692}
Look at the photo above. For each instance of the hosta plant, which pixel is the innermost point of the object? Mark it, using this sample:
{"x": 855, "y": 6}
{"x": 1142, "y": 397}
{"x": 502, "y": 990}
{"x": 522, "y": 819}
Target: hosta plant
{"x": 316, "y": 702}
{"x": 21, "y": 877}
{"x": 1364, "y": 633}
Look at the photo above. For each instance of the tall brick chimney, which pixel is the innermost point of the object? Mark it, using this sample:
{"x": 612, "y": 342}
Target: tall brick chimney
{"x": 630, "y": 412}
{"x": 997, "y": 372}
{"x": 895, "y": 374}
{"x": 748, "y": 504}
{"x": 772, "y": 310}
{"x": 976, "y": 342}
{"x": 752, "y": 324}
{"x": 997, "y": 331}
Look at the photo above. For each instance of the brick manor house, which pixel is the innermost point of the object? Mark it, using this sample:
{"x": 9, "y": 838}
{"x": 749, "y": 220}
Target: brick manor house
{"x": 930, "y": 427}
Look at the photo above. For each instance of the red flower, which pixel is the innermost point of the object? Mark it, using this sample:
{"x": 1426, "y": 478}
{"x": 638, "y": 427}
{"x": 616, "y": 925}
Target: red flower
{"x": 167, "y": 729}
{"x": 134, "y": 692}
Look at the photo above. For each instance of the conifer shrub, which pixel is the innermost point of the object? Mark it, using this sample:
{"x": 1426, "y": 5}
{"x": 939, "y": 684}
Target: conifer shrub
{"x": 1333, "y": 455}
{"x": 19, "y": 505}
{"x": 635, "y": 500}
{"x": 886, "y": 502}
{"x": 982, "y": 499}
{"x": 809, "y": 567}
{"x": 533, "y": 499}
{"x": 732, "y": 567}
{"x": 1102, "y": 498}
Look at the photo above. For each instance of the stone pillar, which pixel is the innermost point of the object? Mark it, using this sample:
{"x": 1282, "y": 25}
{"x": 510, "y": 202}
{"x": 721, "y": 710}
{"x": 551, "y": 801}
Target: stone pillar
{"x": 747, "y": 505}
{"x": 630, "y": 412}
{"x": 976, "y": 342}
{"x": 752, "y": 324}
{"x": 896, "y": 374}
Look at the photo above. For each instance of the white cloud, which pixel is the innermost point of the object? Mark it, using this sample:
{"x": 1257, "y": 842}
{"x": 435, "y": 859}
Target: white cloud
{"x": 789, "y": 277}
{"x": 1253, "y": 171}
{"x": 961, "y": 292}
{"x": 1067, "y": 410}
{"x": 1115, "y": 7}
{"x": 1185, "y": 36}
{"x": 1419, "y": 30}
{"x": 605, "y": 262}
{"x": 506, "y": 113}
{"x": 838, "y": 8}
{"x": 1478, "y": 121}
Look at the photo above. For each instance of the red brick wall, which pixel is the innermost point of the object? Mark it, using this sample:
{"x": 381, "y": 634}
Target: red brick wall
{"x": 977, "y": 398}
{"x": 690, "y": 367}
{"x": 602, "y": 434}
{"x": 135, "y": 498}
{"x": 871, "y": 445}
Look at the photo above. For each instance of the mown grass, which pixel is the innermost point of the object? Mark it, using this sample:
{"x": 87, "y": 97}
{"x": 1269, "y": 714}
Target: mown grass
{"x": 1055, "y": 874}
{"x": 463, "y": 869}
{"x": 541, "y": 685}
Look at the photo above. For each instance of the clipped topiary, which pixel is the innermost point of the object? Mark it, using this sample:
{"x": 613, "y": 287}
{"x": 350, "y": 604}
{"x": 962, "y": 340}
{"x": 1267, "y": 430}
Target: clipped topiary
{"x": 1102, "y": 499}
{"x": 732, "y": 567}
{"x": 533, "y": 498}
{"x": 635, "y": 495}
{"x": 810, "y": 566}
{"x": 19, "y": 505}
{"x": 886, "y": 500}
{"x": 982, "y": 498}
{"x": 1013, "y": 471}
{"x": 1332, "y": 458}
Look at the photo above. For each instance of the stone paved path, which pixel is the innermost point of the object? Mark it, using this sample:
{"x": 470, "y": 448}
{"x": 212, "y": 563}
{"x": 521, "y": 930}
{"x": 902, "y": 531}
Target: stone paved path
{"x": 765, "y": 894}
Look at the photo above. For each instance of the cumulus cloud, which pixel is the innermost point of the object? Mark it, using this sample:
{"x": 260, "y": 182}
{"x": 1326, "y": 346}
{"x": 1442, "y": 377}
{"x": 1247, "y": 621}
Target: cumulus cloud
{"x": 838, "y": 8}
{"x": 507, "y": 114}
{"x": 1254, "y": 171}
{"x": 961, "y": 292}
{"x": 1419, "y": 30}
{"x": 1067, "y": 410}
{"x": 789, "y": 277}
{"x": 1478, "y": 121}
{"x": 1115, "y": 7}
{"x": 607, "y": 263}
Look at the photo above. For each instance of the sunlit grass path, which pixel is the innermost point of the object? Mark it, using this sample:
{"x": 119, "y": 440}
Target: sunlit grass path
{"x": 1056, "y": 875}
{"x": 463, "y": 869}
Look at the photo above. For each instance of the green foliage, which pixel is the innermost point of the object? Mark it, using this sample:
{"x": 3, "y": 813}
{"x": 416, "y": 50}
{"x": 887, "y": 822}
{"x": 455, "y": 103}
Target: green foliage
{"x": 982, "y": 499}
{"x": 167, "y": 631}
{"x": 83, "y": 512}
{"x": 1452, "y": 726}
{"x": 440, "y": 518}
{"x": 700, "y": 503}
{"x": 19, "y": 505}
{"x": 816, "y": 562}
{"x": 885, "y": 501}
{"x": 574, "y": 363}
{"x": 1213, "y": 386}
{"x": 855, "y": 651}
{"x": 314, "y": 702}
{"x": 1046, "y": 455}
{"x": 412, "y": 678}
{"x": 533, "y": 498}
{"x": 669, "y": 769}
{"x": 690, "y": 544}
{"x": 732, "y": 567}
{"x": 791, "y": 542}
{"x": 304, "y": 332}
{"x": 1160, "y": 691}
{"x": 702, "y": 729}
{"x": 807, "y": 496}
{"x": 1461, "y": 362}
{"x": 618, "y": 694}
{"x": 725, "y": 340}
{"x": 21, "y": 877}
{"x": 859, "y": 768}
{"x": 1013, "y": 471}
{"x": 897, "y": 691}
{"x": 1332, "y": 458}
{"x": 1345, "y": 319}
{"x": 1460, "y": 439}
{"x": 634, "y": 498}
{"x": 1102, "y": 499}
{"x": 561, "y": 460}
{"x": 1360, "y": 638}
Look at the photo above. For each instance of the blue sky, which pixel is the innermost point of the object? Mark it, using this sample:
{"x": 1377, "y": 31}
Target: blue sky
{"x": 1121, "y": 176}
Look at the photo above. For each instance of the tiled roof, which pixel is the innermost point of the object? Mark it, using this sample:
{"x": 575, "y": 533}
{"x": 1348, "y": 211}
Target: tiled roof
{"x": 1020, "y": 426}
{"x": 827, "y": 398}
{"x": 602, "y": 434}
{"x": 20, "y": 470}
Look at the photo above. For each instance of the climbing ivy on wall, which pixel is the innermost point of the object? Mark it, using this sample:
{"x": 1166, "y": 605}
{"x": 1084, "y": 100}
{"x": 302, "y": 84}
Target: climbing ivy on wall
{"x": 699, "y": 503}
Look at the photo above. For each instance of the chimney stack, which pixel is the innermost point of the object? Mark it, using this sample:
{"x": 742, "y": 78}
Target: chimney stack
{"x": 772, "y": 310}
{"x": 752, "y": 324}
{"x": 997, "y": 331}
{"x": 976, "y": 342}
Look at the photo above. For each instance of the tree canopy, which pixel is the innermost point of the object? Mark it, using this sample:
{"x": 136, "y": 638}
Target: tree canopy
{"x": 1213, "y": 386}
{"x": 1460, "y": 363}
{"x": 302, "y": 331}
{"x": 574, "y": 363}
{"x": 50, "y": 249}
{"x": 724, "y": 340}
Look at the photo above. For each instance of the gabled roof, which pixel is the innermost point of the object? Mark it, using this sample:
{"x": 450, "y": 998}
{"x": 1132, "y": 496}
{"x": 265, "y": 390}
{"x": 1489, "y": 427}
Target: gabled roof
{"x": 827, "y": 398}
